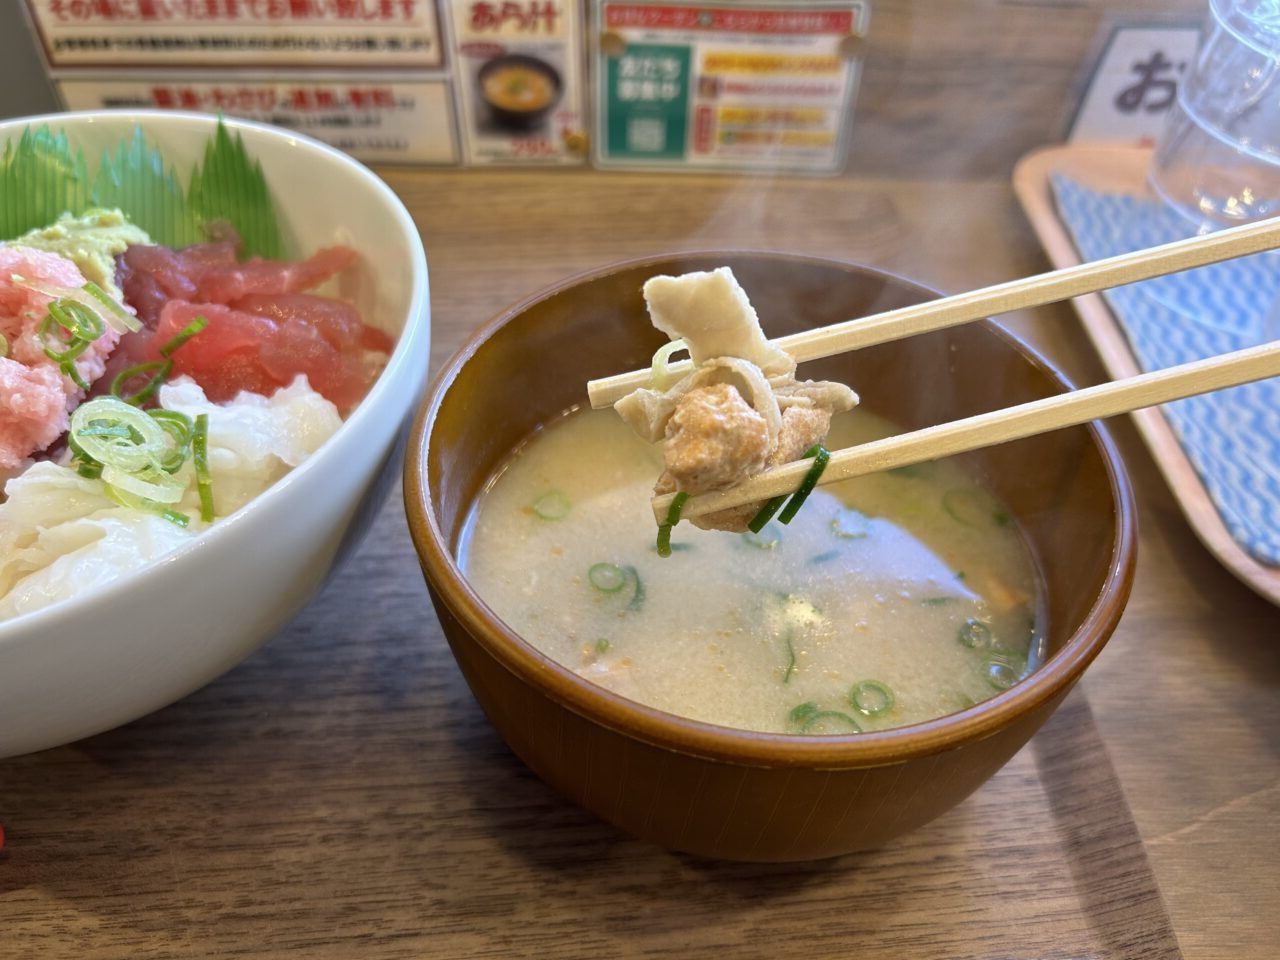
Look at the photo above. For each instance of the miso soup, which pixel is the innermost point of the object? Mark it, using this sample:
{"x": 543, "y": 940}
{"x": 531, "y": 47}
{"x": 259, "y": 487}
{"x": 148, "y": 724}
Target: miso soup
{"x": 889, "y": 599}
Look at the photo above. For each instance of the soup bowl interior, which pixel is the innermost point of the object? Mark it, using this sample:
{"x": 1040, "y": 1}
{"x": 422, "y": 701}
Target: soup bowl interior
{"x": 729, "y": 793}
{"x": 115, "y": 652}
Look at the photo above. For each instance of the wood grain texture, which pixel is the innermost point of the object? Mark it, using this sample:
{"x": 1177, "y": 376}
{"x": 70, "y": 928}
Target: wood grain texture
{"x": 340, "y": 795}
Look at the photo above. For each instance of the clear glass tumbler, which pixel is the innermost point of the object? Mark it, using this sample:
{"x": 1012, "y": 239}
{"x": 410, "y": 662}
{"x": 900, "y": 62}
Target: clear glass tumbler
{"x": 1218, "y": 161}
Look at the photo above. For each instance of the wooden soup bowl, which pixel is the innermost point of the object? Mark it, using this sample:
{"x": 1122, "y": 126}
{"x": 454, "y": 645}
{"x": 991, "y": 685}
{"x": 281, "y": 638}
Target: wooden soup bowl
{"x": 727, "y": 793}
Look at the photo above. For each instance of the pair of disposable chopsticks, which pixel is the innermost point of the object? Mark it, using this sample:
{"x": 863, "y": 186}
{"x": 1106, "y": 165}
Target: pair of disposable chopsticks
{"x": 1011, "y": 423}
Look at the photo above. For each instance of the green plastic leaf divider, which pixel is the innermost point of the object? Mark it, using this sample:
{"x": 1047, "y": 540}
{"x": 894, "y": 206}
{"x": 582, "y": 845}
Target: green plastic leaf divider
{"x": 135, "y": 180}
{"x": 41, "y": 178}
{"x": 229, "y": 186}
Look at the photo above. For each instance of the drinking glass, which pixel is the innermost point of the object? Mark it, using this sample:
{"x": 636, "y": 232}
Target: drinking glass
{"x": 1218, "y": 159}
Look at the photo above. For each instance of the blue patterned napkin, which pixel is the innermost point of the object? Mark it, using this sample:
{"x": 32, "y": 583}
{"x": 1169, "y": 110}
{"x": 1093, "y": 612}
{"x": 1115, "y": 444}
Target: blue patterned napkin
{"x": 1232, "y": 437}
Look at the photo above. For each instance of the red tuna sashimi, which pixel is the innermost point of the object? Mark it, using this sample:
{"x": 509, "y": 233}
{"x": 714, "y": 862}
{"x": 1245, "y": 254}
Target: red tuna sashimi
{"x": 222, "y": 358}
{"x": 151, "y": 276}
{"x": 255, "y": 275}
{"x": 336, "y": 320}
{"x": 268, "y": 343}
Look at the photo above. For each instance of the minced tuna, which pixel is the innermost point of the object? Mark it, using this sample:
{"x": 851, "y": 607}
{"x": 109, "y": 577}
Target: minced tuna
{"x": 36, "y": 398}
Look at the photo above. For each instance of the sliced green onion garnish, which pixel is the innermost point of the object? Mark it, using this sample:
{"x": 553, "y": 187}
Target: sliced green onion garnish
{"x": 113, "y": 309}
{"x": 116, "y": 434}
{"x": 71, "y": 328}
{"x": 822, "y": 718}
{"x": 673, "y": 517}
{"x": 137, "y": 453}
{"x": 200, "y": 457}
{"x": 637, "y": 596}
{"x": 659, "y": 374}
{"x": 803, "y": 711}
{"x": 155, "y": 373}
{"x": 820, "y": 456}
{"x": 138, "y": 503}
{"x": 607, "y": 577}
{"x": 183, "y": 335}
{"x": 611, "y": 578}
{"x": 791, "y": 659}
{"x": 92, "y": 298}
{"x": 871, "y": 698}
{"x": 602, "y": 645}
{"x": 150, "y": 483}
{"x": 552, "y": 505}
{"x": 766, "y": 513}
{"x": 179, "y": 426}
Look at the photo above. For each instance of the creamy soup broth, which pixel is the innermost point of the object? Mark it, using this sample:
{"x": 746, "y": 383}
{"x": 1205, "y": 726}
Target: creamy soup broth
{"x": 889, "y": 599}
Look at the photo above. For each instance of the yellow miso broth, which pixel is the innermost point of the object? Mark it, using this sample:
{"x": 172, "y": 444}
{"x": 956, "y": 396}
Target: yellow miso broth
{"x": 890, "y": 599}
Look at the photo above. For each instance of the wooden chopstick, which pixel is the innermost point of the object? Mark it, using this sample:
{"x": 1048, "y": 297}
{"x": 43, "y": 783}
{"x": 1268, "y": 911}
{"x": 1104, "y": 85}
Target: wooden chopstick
{"x": 1000, "y": 426}
{"x": 1020, "y": 294}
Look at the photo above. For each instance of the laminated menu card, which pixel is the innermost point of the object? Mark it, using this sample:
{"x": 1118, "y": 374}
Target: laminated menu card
{"x": 381, "y": 34}
{"x": 517, "y": 69}
{"x": 741, "y": 85}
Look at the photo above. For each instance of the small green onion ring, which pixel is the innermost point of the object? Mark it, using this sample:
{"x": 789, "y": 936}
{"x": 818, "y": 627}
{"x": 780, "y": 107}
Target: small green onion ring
{"x": 659, "y": 371}
{"x": 552, "y": 505}
{"x": 803, "y": 711}
{"x": 156, "y": 372}
{"x": 821, "y": 456}
{"x": 814, "y": 719}
{"x": 180, "y": 428}
{"x": 637, "y": 597}
{"x": 871, "y": 698}
{"x": 607, "y": 577}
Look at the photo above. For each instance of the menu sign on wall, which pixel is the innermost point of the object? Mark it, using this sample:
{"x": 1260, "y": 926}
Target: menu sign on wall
{"x": 518, "y": 66}
{"x": 378, "y": 120}
{"x": 740, "y": 85}
{"x": 383, "y": 34}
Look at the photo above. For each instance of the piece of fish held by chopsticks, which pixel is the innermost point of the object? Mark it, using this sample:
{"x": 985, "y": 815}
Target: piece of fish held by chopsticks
{"x": 741, "y": 410}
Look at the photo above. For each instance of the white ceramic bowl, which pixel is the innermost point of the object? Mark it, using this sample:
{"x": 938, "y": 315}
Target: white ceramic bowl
{"x": 113, "y": 654}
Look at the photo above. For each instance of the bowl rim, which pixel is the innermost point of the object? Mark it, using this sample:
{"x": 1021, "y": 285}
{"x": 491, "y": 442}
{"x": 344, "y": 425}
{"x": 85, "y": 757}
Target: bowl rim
{"x": 726, "y": 744}
{"x": 405, "y": 356}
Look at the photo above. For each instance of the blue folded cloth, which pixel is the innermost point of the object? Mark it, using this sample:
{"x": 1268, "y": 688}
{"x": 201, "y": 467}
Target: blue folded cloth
{"x": 1232, "y": 437}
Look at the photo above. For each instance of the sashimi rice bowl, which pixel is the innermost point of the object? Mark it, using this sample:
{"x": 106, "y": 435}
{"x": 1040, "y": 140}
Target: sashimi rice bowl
{"x": 211, "y": 334}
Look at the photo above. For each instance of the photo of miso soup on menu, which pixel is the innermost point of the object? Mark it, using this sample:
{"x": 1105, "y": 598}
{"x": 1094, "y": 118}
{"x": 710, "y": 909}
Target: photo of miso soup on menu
{"x": 519, "y": 81}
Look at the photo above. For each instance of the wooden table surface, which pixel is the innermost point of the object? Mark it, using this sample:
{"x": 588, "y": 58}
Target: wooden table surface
{"x": 340, "y": 795}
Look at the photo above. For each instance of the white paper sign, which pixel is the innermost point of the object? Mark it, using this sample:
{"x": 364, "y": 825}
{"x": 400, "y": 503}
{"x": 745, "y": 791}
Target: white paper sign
{"x": 1134, "y": 84}
{"x": 374, "y": 120}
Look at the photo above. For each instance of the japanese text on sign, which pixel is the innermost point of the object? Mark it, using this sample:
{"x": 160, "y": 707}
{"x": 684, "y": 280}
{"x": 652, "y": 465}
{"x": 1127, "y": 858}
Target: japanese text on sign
{"x": 143, "y": 33}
